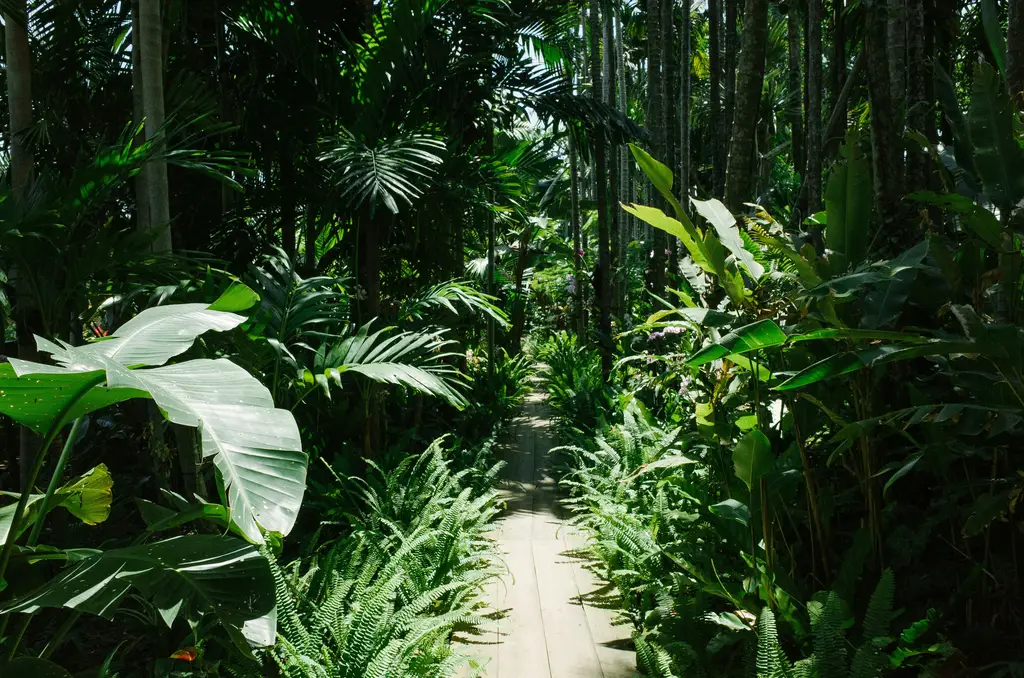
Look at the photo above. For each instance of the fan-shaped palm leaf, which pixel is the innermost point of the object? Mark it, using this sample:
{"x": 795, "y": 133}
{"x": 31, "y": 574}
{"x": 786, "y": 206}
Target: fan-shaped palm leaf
{"x": 415, "y": 360}
{"x": 392, "y": 170}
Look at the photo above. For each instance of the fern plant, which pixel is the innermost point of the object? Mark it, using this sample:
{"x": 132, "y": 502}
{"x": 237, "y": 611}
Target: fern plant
{"x": 385, "y": 598}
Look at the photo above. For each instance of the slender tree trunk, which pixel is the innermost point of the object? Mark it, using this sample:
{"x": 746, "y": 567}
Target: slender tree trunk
{"x": 838, "y": 65}
{"x": 611, "y": 100}
{"x": 684, "y": 106}
{"x": 718, "y": 140}
{"x": 152, "y": 40}
{"x": 19, "y": 97}
{"x": 669, "y": 94}
{"x": 656, "y": 127}
{"x": 1015, "y": 49}
{"x": 577, "y": 245}
{"x": 28, "y": 317}
{"x": 287, "y": 187}
{"x": 814, "y": 96}
{"x": 732, "y": 48}
{"x": 603, "y": 276}
{"x": 748, "y": 102}
{"x": 625, "y": 160}
{"x": 887, "y": 153}
{"x": 795, "y": 95}
{"x": 139, "y": 115}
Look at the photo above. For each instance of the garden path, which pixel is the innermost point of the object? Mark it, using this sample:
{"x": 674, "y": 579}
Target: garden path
{"x": 552, "y": 623}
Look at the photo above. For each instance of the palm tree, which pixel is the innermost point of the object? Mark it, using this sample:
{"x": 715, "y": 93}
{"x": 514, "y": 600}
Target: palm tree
{"x": 748, "y": 103}
{"x": 152, "y": 65}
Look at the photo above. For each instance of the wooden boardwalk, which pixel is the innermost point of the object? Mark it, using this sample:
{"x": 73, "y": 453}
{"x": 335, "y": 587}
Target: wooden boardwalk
{"x": 552, "y": 623}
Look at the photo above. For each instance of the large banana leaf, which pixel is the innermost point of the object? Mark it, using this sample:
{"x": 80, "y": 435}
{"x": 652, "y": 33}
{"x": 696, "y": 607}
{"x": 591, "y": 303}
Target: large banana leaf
{"x": 412, "y": 359}
{"x": 255, "y": 446}
{"x": 848, "y": 209}
{"x": 724, "y": 224}
{"x": 997, "y": 155}
{"x": 195, "y": 573}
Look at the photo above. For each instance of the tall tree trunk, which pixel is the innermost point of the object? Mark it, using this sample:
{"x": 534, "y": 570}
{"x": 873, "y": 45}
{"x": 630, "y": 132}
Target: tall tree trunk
{"x": 918, "y": 71}
{"x": 625, "y": 160}
{"x": 603, "y": 277}
{"x": 897, "y": 45}
{"x": 656, "y": 127}
{"x": 684, "y": 106}
{"x": 287, "y": 187}
{"x": 748, "y": 102}
{"x": 151, "y": 41}
{"x": 577, "y": 244}
{"x": 19, "y": 97}
{"x": 814, "y": 95}
{"x": 1015, "y": 49}
{"x": 611, "y": 100}
{"x": 886, "y": 151}
{"x": 794, "y": 91}
{"x": 718, "y": 141}
{"x": 732, "y": 48}
{"x": 139, "y": 115}
{"x": 28, "y": 318}
{"x": 838, "y": 65}
{"x": 669, "y": 93}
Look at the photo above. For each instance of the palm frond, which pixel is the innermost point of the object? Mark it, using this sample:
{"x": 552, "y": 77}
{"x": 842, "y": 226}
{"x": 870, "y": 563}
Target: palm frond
{"x": 416, "y": 360}
{"x": 393, "y": 170}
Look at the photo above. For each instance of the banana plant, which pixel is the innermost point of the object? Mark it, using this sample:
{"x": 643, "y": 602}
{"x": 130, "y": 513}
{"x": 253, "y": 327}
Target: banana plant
{"x": 255, "y": 449}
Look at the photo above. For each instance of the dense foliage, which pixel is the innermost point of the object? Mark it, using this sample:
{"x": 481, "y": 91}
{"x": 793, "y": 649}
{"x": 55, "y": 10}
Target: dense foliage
{"x": 275, "y": 274}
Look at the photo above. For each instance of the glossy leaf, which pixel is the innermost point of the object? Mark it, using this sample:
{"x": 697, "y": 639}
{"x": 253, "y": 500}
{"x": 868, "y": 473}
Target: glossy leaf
{"x": 752, "y": 337}
{"x": 728, "y": 232}
{"x": 848, "y": 198}
{"x": 190, "y": 574}
{"x": 997, "y": 155}
{"x": 752, "y": 458}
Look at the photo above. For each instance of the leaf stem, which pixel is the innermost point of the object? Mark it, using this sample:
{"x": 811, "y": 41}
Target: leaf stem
{"x": 58, "y": 471}
{"x": 51, "y": 434}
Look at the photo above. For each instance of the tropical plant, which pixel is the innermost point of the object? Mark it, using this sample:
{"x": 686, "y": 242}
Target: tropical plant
{"x": 385, "y": 599}
{"x": 254, "y": 447}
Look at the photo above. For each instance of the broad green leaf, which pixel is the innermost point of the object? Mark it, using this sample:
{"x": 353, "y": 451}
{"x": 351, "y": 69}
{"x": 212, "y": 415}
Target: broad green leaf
{"x": 728, "y": 232}
{"x": 700, "y": 316}
{"x": 752, "y": 458}
{"x": 256, "y": 447}
{"x": 730, "y": 509}
{"x": 848, "y": 204}
{"x": 659, "y": 175}
{"x": 88, "y": 497}
{"x": 884, "y": 303}
{"x": 997, "y": 155}
{"x": 191, "y": 574}
{"x": 689, "y": 236}
{"x": 758, "y": 335}
{"x": 994, "y": 33}
{"x": 844, "y": 363}
{"x": 238, "y": 297}
{"x": 987, "y": 508}
{"x": 34, "y": 394}
{"x": 982, "y": 222}
{"x": 153, "y": 337}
